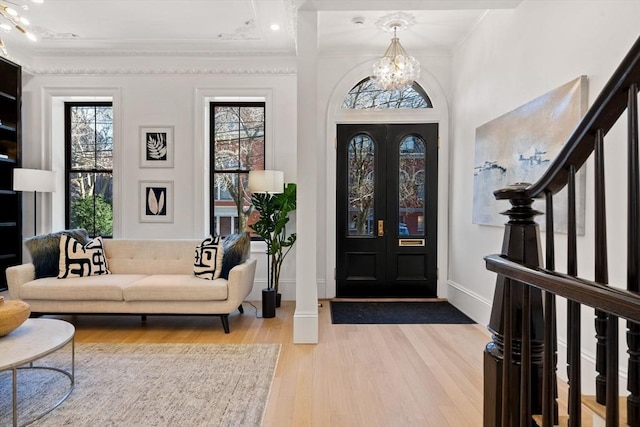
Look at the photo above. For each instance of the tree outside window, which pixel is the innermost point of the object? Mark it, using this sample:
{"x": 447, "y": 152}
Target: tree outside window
{"x": 237, "y": 147}
{"x": 361, "y": 185}
{"x": 367, "y": 95}
{"x": 89, "y": 167}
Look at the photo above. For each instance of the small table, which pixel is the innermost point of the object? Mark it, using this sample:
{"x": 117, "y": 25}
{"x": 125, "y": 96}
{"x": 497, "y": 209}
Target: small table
{"x": 34, "y": 339}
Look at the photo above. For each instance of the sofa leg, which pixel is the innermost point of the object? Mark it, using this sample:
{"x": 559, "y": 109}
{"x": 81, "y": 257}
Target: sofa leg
{"x": 225, "y": 322}
{"x": 143, "y": 318}
{"x": 241, "y": 309}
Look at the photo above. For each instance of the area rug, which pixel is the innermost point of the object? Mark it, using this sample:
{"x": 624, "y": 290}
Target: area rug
{"x": 350, "y": 312}
{"x": 149, "y": 385}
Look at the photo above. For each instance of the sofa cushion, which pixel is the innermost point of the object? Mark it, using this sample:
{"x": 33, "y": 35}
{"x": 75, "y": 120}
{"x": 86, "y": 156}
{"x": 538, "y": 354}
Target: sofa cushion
{"x": 175, "y": 287}
{"x": 236, "y": 251}
{"x": 45, "y": 250}
{"x": 150, "y": 256}
{"x": 78, "y": 260}
{"x": 96, "y": 288}
{"x": 208, "y": 258}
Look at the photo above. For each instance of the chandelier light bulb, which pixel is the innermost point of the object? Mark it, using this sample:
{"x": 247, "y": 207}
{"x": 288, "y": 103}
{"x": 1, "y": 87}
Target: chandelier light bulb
{"x": 9, "y": 18}
{"x": 396, "y": 69}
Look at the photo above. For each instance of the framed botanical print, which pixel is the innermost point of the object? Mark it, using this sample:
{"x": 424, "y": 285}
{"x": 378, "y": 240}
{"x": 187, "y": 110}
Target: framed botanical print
{"x": 156, "y": 201}
{"x": 156, "y": 146}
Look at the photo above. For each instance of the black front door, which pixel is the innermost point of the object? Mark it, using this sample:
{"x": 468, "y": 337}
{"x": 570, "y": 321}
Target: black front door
{"x": 386, "y": 210}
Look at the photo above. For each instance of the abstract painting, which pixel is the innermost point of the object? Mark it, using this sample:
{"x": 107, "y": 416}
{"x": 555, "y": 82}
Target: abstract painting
{"x": 519, "y": 147}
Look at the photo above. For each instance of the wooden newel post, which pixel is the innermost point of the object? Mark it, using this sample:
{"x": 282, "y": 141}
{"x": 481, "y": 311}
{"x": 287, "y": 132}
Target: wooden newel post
{"x": 521, "y": 244}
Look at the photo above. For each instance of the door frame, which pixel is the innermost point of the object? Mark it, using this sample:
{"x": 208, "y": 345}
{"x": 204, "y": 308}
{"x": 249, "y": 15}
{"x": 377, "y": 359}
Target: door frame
{"x": 394, "y": 276}
{"x": 336, "y": 115}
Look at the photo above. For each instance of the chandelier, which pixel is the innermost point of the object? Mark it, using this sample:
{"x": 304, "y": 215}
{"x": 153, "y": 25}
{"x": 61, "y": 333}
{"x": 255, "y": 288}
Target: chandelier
{"x": 11, "y": 18}
{"x": 396, "y": 69}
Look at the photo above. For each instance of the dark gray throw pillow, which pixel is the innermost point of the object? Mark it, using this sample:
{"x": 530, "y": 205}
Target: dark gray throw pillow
{"x": 236, "y": 251}
{"x": 45, "y": 250}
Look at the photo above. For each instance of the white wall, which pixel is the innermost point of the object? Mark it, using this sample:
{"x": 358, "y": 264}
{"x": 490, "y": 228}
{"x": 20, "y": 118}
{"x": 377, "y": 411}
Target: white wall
{"x": 160, "y": 91}
{"x": 511, "y": 58}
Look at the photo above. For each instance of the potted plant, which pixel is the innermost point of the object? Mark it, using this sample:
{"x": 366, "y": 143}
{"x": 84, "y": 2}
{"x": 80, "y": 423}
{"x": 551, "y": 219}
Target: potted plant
{"x": 274, "y": 212}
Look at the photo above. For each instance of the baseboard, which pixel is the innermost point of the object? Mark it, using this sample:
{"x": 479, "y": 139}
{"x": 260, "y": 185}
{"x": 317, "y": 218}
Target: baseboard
{"x": 470, "y": 303}
{"x": 305, "y": 327}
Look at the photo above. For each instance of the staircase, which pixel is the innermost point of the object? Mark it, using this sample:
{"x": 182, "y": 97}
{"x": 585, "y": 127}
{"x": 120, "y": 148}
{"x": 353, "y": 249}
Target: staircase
{"x": 521, "y": 361}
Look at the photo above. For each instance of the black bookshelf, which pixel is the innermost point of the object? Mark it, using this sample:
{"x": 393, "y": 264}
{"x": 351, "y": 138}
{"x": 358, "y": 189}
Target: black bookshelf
{"x": 10, "y": 158}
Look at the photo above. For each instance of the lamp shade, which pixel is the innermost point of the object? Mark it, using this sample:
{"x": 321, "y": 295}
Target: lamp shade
{"x": 41, "y": 181}
{"x": 266, "y": 181}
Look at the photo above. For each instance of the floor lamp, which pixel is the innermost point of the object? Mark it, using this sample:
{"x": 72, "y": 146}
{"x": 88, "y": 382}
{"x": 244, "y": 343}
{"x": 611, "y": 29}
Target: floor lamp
{"x": 269, "y": 182}
{"x": 36, "y": 180}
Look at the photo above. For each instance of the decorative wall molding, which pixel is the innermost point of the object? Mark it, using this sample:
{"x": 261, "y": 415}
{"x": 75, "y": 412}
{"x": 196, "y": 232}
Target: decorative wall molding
{"x": 284, "y": 71}
{"x": 162, "y": 53}
{"x": 246, "y": 32}
{"x": 46, "y": 33}
{"x": 292, "y": 18}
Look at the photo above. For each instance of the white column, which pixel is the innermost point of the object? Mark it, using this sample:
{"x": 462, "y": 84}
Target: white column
{"x": 305, "y": 318}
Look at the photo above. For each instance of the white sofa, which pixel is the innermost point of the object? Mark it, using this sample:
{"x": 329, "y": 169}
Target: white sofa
{"x": 148, "y": 277}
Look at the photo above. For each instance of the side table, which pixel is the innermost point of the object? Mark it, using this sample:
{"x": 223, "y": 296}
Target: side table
{"x": 34, "y": 339}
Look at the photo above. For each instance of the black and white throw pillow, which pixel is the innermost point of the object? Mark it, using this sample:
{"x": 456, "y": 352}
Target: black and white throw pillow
{"x": 78, "y": 260}
{"x": 45, "y": 250}
{"x": 208, "y": 258}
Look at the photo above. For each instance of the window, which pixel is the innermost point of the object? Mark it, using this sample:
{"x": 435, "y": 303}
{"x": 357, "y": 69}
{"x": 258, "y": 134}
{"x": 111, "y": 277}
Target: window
{"x": 367, "y": 95}
{"x": 89, "y": 167}
{"x": 237, "y": 147}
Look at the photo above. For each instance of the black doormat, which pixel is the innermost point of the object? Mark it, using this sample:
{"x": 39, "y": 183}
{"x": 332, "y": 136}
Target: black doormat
{"x": 349, "y": 312}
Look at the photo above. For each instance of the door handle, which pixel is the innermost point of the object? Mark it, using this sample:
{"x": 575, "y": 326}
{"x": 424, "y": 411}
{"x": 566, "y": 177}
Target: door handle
{"x": 380, "y": 228}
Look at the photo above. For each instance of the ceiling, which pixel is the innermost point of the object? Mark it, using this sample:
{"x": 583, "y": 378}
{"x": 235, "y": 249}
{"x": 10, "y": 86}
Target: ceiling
{"x": 238, "y": 27}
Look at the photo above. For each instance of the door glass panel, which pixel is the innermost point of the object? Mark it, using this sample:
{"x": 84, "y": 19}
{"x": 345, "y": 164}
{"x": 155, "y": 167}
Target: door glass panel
{"x": 361, "y": 154}
{"x": 411, "y": 191}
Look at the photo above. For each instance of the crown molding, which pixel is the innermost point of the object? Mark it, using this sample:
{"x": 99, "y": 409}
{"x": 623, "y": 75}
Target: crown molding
{"x": 161, "y": 53}
{"x": 279, "y": 71}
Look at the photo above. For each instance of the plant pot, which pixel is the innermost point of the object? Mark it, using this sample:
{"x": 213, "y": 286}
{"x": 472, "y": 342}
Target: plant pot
{"x": 268, "y": 303}
{"x": 278, "y": 299}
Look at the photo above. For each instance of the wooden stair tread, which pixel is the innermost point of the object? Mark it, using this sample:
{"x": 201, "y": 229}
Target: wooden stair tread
{"x": 601, "y": 411}
{"x": 563, "y": 420}
{"x": 594, "y": 408}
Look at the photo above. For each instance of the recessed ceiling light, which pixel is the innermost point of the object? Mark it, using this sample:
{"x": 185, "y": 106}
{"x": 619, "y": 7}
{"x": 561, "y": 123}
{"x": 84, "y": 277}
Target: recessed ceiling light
{"x": 275, "y": 27}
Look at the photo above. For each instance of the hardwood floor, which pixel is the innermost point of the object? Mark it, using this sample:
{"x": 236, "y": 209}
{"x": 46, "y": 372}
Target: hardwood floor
{"x": 358, "y": 375}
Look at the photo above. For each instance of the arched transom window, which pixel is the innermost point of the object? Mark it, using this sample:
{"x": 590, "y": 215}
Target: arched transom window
{"x": 367, "y": 95}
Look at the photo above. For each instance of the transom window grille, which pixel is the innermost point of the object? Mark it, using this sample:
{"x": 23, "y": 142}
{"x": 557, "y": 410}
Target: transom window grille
{"x": 368, "y": 95}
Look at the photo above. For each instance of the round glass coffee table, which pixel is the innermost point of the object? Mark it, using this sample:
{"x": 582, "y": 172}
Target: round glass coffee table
{"x": 34, "y": 339}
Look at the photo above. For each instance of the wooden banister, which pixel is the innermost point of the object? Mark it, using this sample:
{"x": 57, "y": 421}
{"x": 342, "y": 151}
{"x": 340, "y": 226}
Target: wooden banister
{"x": 521, "y": 361}
{"x": 618, "y": 302}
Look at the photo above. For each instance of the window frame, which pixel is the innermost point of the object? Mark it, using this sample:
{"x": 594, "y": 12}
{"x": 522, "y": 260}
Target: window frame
{"x": 68, "y": 170}
{"x": 213, "y": 190}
